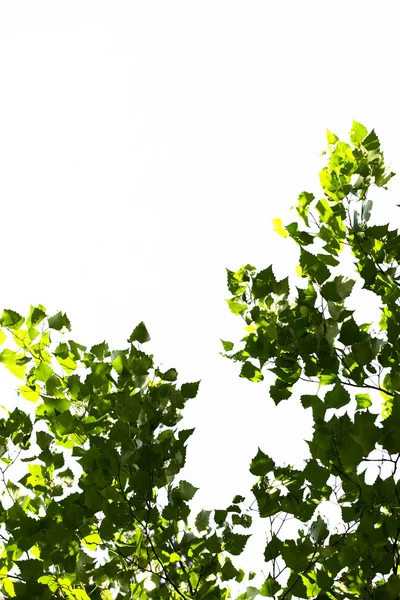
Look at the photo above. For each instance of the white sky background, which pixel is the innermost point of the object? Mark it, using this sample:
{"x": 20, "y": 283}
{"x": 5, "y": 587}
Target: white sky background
{"x": 145, "y": 147}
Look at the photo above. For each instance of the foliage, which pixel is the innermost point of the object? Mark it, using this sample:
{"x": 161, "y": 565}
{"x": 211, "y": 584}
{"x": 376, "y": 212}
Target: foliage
{"x": 92, "y": 505}
{"x": 312, "y": 336}
{"x": 112, "y": 520}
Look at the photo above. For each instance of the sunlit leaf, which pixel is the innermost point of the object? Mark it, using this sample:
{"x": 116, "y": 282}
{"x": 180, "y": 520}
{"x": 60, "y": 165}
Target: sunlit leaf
{"x": 11, "y": 319}
{"x": 277, "y": 223}
{"x": 358, "y": 133}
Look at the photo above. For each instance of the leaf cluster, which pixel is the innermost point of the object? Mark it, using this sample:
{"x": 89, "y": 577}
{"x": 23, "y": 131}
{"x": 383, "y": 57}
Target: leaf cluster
{"x": 92, "y": 503}
{"x": 311, "y": 336}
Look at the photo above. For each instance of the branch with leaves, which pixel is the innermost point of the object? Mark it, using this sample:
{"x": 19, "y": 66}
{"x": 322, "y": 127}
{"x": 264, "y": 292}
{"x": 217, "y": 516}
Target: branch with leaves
{"x": 313, "y": 337}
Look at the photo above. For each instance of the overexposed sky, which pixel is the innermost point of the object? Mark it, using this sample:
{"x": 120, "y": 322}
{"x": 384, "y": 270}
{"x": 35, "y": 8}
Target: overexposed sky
{"x": 146, "y": 146}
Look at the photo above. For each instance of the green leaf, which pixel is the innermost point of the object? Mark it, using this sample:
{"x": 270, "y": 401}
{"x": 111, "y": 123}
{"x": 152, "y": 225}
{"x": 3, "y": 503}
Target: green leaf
{"x": 264, "y": 283}
{"x": 362, "y": 353}
{"x": 43, "y": 440}
{"x": 358, "y": 133}
{"x": 139, "y": 334}
{"x": 220, "y": 517}
{"x": 249, "y": 371}
{"x": 236, "y": 280}
{"x": 238, "y": 499}
{"x": 202, "y": 520}
{"x": 304, "y": 200}
{"x": 319, "y": 530}
{"x": 227, "y": 345}
{"x": 189, "y": 390}
{"x": 59, "y": 322}
{"x": 363, "y": 401}
{"x": 236, "y": 307}
{"x": 251, "y": 593}
{"x": 101, "y": 351}
{"x": 337, "y": 397}
{"x": 30, "y": 393}
{"x": 66, "y": 476}
{"x": 243, "y": 520}
{"x": 43, "y": 372}
{"x": 170, "y": 375}
{"x": 187, "y": 490}
{"x": 327, "y": 259}
{"x": 273, "y": 548}
{"x": 313, "y": 267}
{"x": 366, "y": 210}
{"x": 8, "y": 357}
{"x": 338, "y": 289}
{"x": 315, "y": 473}
{"x": 228, "y": 571}
{"x": 11, "y": 319}
{"x": 36, "y": 315}
{"x": 350, "y": 332}
{"x": 279, "y": 392}
{"x": 270, "y": 587}
{"x": 261, "y": 464}
{"x": 371, "y": 142}
{"x": 234, "y": 542}
{"x": 317, "y": 405}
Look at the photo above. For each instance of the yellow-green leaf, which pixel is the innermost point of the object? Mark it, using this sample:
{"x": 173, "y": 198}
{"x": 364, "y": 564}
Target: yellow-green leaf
{"x": 358, "y": 133}
{"x": 68, "y": 364}
{"x": 91, "y": 541}
{"x": 17, "y": 370}
{"x": 9, "y": 587}
{"x": 331, "y": 137}
{"x": 277, "y": 223}
{"x": 43, "y": 372}
{"x": 49, "y": 580}
{"x": 174, "y": 557}
{"x": 30, "y": 394}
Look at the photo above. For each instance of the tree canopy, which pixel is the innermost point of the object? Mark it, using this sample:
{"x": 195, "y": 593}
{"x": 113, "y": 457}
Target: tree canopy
{"x": 92, "y": 505}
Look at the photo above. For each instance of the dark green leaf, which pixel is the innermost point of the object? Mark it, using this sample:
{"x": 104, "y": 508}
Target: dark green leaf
{"x": 319, "y": 530}
{"x": 362, "y": 353}
{"x": 59, "y": 321}
{"x": 261, "y": 464}
{"x": 371, "y": 142}
{"x": 273, "y": 548}
{"x": 338, "y": 289}
{"x": 337, "y": 397}
{"x": 234, "y": 542}
{"x": 36, "y": 315}
{"x": 189, "y": 390}
{"x": 187, "y": 490}
{"x": 350, "y": 332}
{"x": 43, "y": 440}
{"x": 249, "y": 371}
{"x": 202, "y": 520}
{"x": 170, "y": 375}
{"x": 264, "y": 283}
{"x": 139, "y": 334}
{"x": 237, "y": 499}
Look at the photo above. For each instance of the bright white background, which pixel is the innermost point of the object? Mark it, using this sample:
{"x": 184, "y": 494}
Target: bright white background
{"x": 146, "y": 146}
